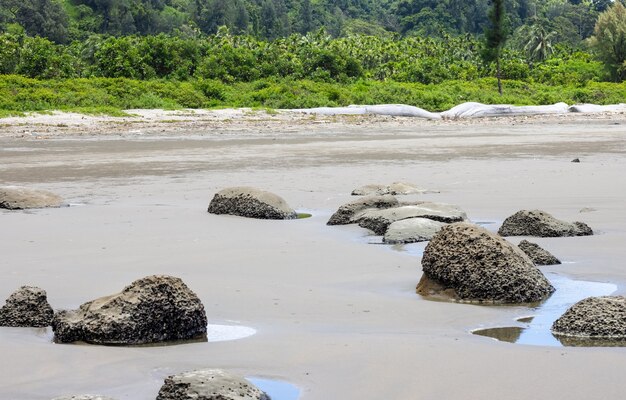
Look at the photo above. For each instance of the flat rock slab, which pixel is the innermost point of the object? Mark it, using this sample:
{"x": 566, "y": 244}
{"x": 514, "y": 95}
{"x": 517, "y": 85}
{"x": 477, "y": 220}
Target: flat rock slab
{"x": 153, "y": 309}
{"x": 347, "y": 211}
{"x": 465, "y": 262}
{"x": 21, "y": 198}
{"x": 538, "y": 255}
{"x": 209, "y": 384}
{"x": 396, "y": 189}
{"x": 251, "y": 203}
{"x": 27, "y": 307}
{"x": 594, "y": 317}
{"x": 379, "y": 220}
{"x": 412, "y": 230}
{"x": 541, "y": 224}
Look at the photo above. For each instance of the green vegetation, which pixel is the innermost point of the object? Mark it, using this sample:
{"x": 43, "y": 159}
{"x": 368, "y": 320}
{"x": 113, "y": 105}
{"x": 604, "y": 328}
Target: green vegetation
{"x": 109, "y": 55}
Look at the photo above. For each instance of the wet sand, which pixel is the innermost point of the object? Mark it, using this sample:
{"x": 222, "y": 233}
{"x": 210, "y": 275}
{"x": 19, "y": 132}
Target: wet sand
{"x": 335, "y": 316}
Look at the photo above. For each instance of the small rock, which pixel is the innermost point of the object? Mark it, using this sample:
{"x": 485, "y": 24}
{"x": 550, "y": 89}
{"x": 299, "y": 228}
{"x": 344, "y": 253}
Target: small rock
{"x": 251, "y": 203}
{"x": 209, "y": 384}
{"x": 412, "y": 230}
{"x": 345, "y": 213}
{"x": 468, "y": 263}
{"x": 153, "y": 309}
{"x": 27, "y": 307}
{"x": 21, "y": 198}
{"x": 538, "y": 255}
{"x": 541, "y": 224}
{"x": 379, "y": 220}
{"x": 576, "y": 160}
{"x": 594, "y": 317}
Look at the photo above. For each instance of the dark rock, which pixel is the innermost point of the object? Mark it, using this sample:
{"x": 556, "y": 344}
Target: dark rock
{"x": 379, "y": 220}
{"x": 541, "y": 224}
{"x": 152, "y": 309}
{"x": 412, "y": 230}
{"x": 345, "y": 213}
{"x": 21, "y": 198}
{"x": 576, "y": 160}
{"x": 251, "y": 203}
{"x": 27, "y": 307}
{"x": 538, "y": 255}
{"x": 468, "y": 263}
{"x": 594, "y": 317}
{"x": 210, "y": 384}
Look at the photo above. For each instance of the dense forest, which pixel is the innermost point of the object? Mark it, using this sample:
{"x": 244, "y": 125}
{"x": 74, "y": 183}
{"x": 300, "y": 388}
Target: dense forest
{"x": 217, "y": 44}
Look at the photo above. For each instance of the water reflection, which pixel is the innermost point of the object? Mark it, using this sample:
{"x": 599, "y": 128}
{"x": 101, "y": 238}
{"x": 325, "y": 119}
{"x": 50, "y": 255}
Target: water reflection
{"x": 276, "y": 390}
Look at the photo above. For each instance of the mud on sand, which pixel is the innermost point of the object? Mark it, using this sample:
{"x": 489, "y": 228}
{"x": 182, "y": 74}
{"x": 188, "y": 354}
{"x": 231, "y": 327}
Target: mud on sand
{"x": 335, "y": 316}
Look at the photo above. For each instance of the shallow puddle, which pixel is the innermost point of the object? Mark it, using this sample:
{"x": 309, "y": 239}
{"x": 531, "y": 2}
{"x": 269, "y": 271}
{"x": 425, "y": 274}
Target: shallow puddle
{"x": 535, "y": 330}
{"x": 276, "y": 390}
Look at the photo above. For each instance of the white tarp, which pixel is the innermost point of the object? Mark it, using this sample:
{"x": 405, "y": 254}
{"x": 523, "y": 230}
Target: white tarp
{"x": 594, "y": 108}
{"x": 479, "y": 110}
{"x": 395, "y": 110}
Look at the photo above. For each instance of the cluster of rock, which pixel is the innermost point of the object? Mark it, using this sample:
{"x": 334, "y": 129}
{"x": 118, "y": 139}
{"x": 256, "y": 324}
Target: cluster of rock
{"x": 251, "y": 203}
{"x": 468, "y": 263}
{"x": 207, "y": 384}
{"x": 21, "y": 198}
{"x": 540, "y": 223}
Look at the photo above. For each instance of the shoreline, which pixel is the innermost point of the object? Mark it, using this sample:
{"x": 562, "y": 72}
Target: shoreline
{"x": 157, "y": 122}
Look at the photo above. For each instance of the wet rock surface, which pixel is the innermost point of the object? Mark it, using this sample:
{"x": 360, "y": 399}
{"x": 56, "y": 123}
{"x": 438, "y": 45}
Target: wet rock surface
{"x": 538, "y": 255}
{"x": 347, "y": 211}
{"x": 153, "y": 309}
{"x": 27, "y": 307}
{"x": 541, "y": 224}
{"x": 468, "y": 263}
{"x": 21, "y": 198}
{"x": 209, "y": 384}
{"x": 412, "y": 230}
{"x": 594, "y": 317}
{"x": 251, "y": 203}
{"x": 379, "y": 220}
{"x": 395, "y": 189}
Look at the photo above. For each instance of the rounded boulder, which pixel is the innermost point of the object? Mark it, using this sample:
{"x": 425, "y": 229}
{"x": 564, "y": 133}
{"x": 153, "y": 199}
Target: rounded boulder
{"x": 594, "y": 318}
{"x": 538, "y": 255}
{"x": 346, "y": 212}
{"x": 153, "y": 309}
{"x": 251, "y": 203}
{"x": 27, "y": 307}
{"x": 467, "y": 263}
{"x": 412, "y": 230}
{"x": 209, "y": 384}
{"x": 21, "y": 198}
{"x": 541, "y": 224}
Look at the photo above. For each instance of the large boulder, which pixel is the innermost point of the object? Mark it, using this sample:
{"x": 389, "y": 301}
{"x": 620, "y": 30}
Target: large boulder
{"x": 153, "y": 309}
{"x": 345, "y": 213}
{"x": 84, "y": 397}
{"x": 396, "y": 189}
{"x": 21, "y": 198}
{"x": 250, "y": 202}
{"x": 27, "y": 307}
{"x": 540, "y": 223}
{"x": 412, "y": 230}
{"x": 379, "y": 220}
{"x": 538, "y": 255}
{"x": 594, "y": 318}
{"x": 468, "y": 263}
{"x": 209, "y": 384}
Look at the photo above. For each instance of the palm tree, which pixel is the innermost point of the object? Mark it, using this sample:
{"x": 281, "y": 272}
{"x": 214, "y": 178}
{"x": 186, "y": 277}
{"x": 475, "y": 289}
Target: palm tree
{"x": 538, "y": 42}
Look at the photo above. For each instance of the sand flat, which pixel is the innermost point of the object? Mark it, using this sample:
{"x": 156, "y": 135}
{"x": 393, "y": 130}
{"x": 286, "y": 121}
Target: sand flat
{"x": 335, "y": 316}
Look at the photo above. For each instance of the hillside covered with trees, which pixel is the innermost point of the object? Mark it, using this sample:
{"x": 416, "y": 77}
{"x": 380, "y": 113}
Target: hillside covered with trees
{"x": 273, "y": 47}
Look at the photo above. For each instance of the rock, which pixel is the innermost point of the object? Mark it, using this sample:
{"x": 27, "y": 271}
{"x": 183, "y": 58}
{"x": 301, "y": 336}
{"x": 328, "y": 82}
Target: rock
{"x": 576, "y": 160}
{"x": 412, "y": 230}
{"x": 468, "y": 263}
{"x": 479, "y": 110}
{"x": 343, "y": 215}
{"x": 27, "y": 307}
{"x": 21, "y": 198}
{"x": 594, "y": 317}
{"x": 541, "y": 224}
{"x": 153, "y": 309}
{"x": 538, "y": 255}
{"x": 251, "y": 203}
{"x": 84, "y": 397}
{"x": 209, "y": 384}
{"x": 396, "y": 188}
{"x": 379, "y": 220}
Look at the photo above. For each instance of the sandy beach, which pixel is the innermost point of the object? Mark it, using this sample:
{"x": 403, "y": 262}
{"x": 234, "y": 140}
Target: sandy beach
{"x": 336, "y": 316}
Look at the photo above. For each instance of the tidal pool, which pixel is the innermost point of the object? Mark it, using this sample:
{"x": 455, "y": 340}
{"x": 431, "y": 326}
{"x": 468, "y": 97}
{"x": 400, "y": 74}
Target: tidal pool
{"x": 534, "y": 329}
{"x": 276, "y": 390}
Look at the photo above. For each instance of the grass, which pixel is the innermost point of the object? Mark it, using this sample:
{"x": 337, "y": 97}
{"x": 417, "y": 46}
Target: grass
{"x": 109, "y": 96}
